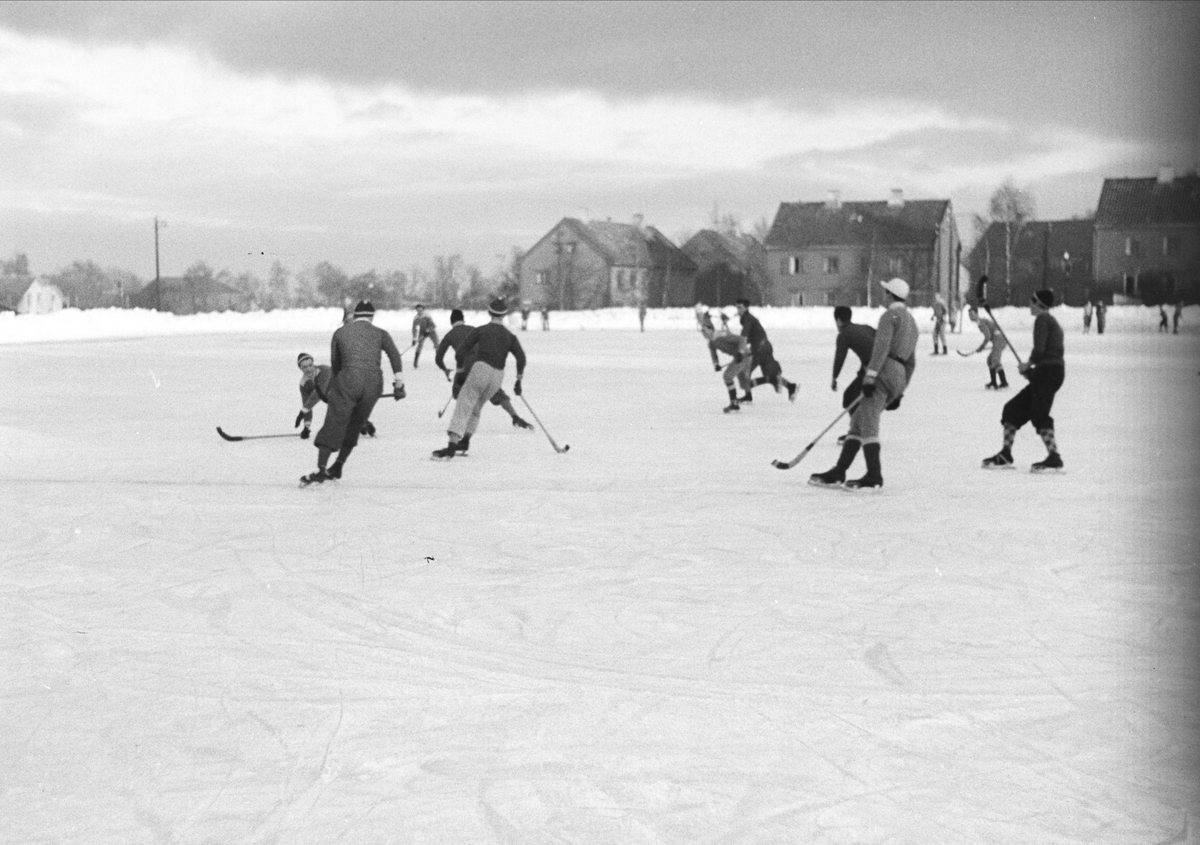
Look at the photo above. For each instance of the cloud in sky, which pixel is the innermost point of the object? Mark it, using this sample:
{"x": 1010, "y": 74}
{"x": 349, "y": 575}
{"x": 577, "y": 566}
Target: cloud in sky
{"x": 118, "y": 131}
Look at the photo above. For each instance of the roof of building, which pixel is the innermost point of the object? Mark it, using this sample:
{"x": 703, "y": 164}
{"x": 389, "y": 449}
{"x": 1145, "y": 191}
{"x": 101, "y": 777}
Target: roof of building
{"x": 1149, "y": 202}
{"x": 737, "y": 248}
{"x": 811, "y": 224}
{"x": 628, "y": 245}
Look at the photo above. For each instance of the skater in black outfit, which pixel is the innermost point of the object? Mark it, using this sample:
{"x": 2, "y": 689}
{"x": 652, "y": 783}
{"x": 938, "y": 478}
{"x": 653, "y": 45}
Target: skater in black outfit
{"x": 856, "y": 338}
{"x": 762, "y": 354}
{"x": 1045, "y": 370}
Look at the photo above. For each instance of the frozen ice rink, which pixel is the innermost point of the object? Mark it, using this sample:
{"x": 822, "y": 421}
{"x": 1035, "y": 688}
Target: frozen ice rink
{"x": 653, "y": 638}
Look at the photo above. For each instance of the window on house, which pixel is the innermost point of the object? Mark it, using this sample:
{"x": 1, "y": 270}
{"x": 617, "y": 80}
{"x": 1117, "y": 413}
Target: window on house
{"x": 796, "y": 265}
{"x": 831, "y": 264}
{"x": 895, "y": 266}
{"x": 1131, "y": 246}
{"x": 542, "y": 277}
{"x": 1131, "y": 284}
{"x": 795, "y": 299}
{"x": 1171, "y": 245}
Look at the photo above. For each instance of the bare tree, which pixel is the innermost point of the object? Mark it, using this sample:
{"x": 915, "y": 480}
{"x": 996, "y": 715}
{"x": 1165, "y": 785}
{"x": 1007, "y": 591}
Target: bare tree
{"x": 1013, "y": 208}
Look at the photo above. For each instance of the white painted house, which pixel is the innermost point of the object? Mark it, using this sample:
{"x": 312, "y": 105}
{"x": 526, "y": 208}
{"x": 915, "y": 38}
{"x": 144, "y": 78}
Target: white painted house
{"x": 40, "y": 298}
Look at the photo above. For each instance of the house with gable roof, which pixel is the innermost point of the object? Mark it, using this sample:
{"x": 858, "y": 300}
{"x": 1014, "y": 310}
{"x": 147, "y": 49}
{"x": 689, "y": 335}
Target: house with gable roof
{"x": 836, "y": 253}
{"x": 602, "y": 264}
{"x": 1055, "y": 254}
{"x": 728, "y": 267}
{"x": 1147, "y": 239}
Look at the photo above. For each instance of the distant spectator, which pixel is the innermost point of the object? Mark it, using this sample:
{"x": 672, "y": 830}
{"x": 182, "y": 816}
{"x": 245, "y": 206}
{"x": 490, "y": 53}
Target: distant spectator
{"x": 1162, "y": 319}
{"x": 1101, "y": 312}
{"x": 545, "y": 318}
{"x": 1178, "y": 316}
{"x": 1087, "y": 316}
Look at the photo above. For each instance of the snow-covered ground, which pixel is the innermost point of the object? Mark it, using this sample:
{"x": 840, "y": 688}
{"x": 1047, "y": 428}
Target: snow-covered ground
{"x": 655, "y": 637}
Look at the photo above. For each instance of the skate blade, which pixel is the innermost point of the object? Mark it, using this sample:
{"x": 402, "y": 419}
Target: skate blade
{"x": 997, "y": 466}
{"x": 862, "y": 490}
{"x": 825, "y": 485}
{"x": 1047, "y": 471}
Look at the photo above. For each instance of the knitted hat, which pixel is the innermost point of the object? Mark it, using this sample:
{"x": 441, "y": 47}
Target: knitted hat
{"x": 456, "y": 316}
{"x": 420, "y": 307}
{"x": 364, "y": 309}
{"x": 302, "y": 357}
{"x": 744, "y": 302}
{"x": 1043, "y": 298}
{"x": 498, "y": 308}
{"x": 896, "y": 287}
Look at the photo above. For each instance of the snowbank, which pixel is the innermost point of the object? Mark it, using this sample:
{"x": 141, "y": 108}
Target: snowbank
{"x": 74, "y": 324}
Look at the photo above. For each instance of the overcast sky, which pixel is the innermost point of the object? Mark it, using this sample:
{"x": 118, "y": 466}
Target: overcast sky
{"x": 377, "y": 135}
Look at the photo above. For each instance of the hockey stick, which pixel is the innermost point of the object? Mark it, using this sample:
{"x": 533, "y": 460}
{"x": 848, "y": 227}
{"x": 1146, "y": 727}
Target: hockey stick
{"x": 789, "y": 464}
{"x": 234, "y": 438}
{"x": 966, "y": 354}
{"x": 983, "y": 282}
{"x": 565, "y": 446}
{"x": 444, "y": 407}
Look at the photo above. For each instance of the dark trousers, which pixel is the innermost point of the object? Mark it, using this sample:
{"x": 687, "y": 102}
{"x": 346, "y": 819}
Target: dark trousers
{"x": 764, "y": 359}
{"x": 351, "y": 396}
{"x": 1035, "y": 400}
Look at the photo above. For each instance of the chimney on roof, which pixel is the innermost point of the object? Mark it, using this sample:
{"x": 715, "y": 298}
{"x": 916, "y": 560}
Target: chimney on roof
{"x": 1166, "y": 175}
{"x": 637, "y": 219}
{"x": 834, "y": 202}
{"x": 897, "y": 198}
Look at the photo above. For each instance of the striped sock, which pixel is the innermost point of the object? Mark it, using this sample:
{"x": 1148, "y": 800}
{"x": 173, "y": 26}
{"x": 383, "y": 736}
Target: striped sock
{"x": 1048, "y": 438}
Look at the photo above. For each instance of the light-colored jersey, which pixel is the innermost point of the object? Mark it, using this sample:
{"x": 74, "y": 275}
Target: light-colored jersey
{"x": 895, "y": 343}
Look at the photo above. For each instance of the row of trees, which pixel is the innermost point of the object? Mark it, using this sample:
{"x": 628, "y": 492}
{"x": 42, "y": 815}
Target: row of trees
{"x": 449, "y": 282}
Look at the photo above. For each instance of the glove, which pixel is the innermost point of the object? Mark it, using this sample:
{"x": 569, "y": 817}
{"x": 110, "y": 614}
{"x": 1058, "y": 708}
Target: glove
{"x": 304, "y": 416}
{"x": 893, "y": 405}
{"x": 717, "y": 367}
{"x": 833, "y": 385}
{"x": 868, "y": 389}
{"x": 398, "y": 387}
{"x": 305, "y": 434}
{"x": 517, "y": 387}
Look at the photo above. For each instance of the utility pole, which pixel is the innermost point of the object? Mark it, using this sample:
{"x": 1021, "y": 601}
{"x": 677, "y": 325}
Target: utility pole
{"x": 157, "y": 278}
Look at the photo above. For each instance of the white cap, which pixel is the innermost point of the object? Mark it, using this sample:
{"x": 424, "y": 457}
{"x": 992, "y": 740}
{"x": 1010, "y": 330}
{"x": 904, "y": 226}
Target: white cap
{"x": 897, "y": 287}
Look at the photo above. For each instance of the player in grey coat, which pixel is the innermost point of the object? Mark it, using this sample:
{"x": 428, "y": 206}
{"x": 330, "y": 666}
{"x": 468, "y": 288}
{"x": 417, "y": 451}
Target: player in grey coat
{"x": 354, "y": 389}
{"x": 889, "y": 370}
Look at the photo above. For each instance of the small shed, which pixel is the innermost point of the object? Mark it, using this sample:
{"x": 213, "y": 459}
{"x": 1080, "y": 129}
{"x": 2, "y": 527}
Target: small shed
{"x": 40, "y": 298}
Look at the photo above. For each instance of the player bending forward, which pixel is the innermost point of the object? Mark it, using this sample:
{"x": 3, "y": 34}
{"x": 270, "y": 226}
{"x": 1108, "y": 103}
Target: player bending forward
{"x": 485, "y": 348}
{"x": 454, "y": 339}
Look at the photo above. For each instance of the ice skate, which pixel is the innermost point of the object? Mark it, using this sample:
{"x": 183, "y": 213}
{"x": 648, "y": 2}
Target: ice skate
{"x": 1001, "y": 460}
{"x": 830, "y": 478}
{"x": 1053, "y": 463}
{"x": 445, "y": 454}
{"x": 868, "y": 483}
{"x": 314, "y": 477}
{"x": 792, "y": 387}
{"x": 335, "y": 471}
{"x": 731, "y": 407}
{"x": 462, "y": 446}
{"x": 745, "y": 399}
